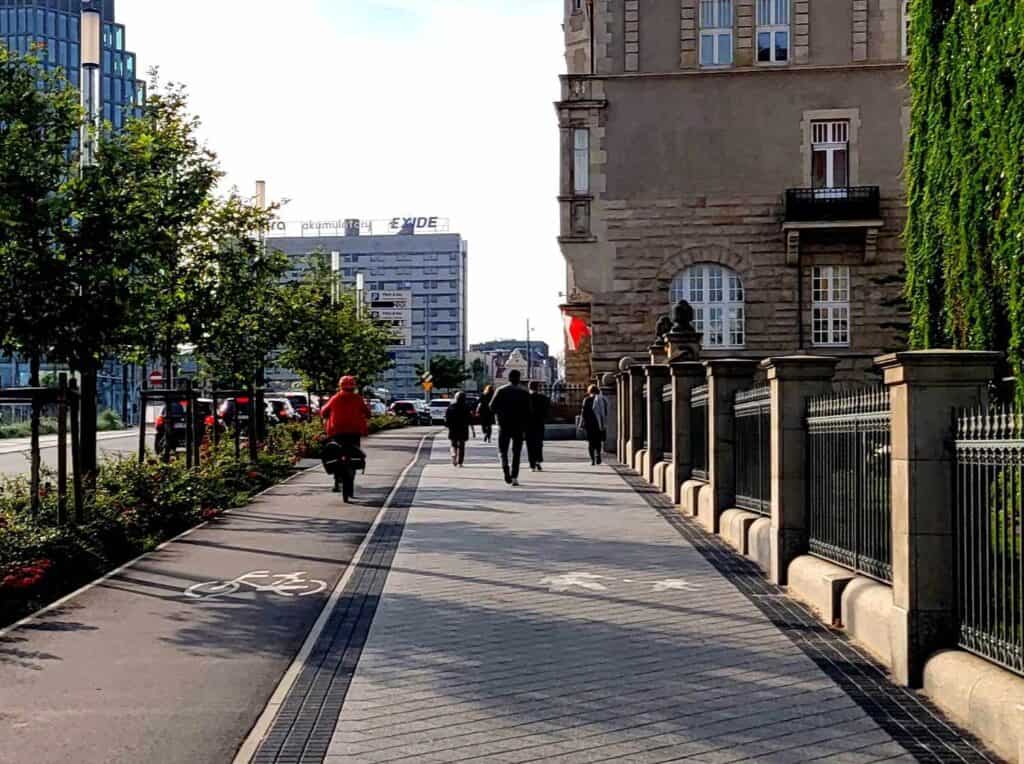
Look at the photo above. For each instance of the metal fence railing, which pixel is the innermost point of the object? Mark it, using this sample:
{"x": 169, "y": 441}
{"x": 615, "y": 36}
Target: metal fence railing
{"x": 699, "y": 432}
{"x": 988, "y": 522}
{"x": 752, "y": 411}
{"x": 849, "y": 449}
{"x": 668, "y": 441}
{"x": 643, "y": 415}
{"x": 566, "y": 401}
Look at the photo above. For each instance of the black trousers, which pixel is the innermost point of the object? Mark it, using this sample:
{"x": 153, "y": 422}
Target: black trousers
{"x": 535, "y": 447}
{"x": 345, "y": 440}
{"x": 459, "y": 452}
{"x": 596, "y": 443}
{"x": 487, "y": 430}
{"x": 514, "y": 440}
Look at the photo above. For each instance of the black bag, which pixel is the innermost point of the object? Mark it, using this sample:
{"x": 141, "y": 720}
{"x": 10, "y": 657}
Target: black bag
{"x": 334, "y": 454}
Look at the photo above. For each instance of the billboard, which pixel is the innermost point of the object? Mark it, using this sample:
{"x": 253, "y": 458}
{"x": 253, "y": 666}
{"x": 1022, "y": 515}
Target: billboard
{"x": 398, "y": 226}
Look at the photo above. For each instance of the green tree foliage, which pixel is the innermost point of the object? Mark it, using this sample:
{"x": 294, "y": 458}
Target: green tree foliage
{"x": 236, "y": 305}
{"x": 325, "y": 337}
{"x": 39, "y": 115}
{"x": 448, "y": 373}
{"x": 965, "y": 233}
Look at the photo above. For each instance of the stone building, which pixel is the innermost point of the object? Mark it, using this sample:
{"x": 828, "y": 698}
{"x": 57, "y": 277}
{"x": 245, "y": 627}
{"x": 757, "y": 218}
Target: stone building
{"x": 745, "y": 155}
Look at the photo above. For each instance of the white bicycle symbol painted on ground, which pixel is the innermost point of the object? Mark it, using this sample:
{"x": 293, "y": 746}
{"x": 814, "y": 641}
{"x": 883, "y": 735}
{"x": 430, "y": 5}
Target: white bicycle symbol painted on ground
{"x": 282, "y": 584}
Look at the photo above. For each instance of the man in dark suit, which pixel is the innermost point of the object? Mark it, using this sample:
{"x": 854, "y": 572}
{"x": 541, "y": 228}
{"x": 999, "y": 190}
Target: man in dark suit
{"x": 511, "y": 407}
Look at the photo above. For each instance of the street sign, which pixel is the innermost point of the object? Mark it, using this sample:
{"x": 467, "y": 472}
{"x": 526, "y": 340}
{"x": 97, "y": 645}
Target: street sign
{"x": 156, "y": 378}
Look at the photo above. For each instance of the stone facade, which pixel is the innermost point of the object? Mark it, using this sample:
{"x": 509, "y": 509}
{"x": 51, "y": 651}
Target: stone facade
{"x": 691, "y": 165}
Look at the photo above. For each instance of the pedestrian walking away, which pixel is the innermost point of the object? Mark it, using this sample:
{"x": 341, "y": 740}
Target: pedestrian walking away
{"x": 346, "y": 418}
{"x": 484, "y": 413}
{"x": 540, "y": 404}
{"x": 457, "y": 420}
{"x": 594, "y": 421}
{"x": 511, "y": 407}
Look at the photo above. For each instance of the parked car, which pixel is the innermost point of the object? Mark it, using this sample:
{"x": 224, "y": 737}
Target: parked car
{"x": 305, "y": 408}
{"x": 473, "y": 401}
{"x": 236, "y": 408}
{"x": 280, "y": 411}
{"x": 377, "y": 407}
{"x": 438, "y": 408}
{"x": 176, "y": 424}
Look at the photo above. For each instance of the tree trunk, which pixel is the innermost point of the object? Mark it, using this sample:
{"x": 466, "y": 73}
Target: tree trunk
{"x": 88, "y": 461}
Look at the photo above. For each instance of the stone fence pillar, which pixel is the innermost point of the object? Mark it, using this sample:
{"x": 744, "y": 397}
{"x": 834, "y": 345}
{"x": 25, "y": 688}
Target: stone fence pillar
{"x": 792, "y": 380}
{"x": 637, "y": 412}
{"x": 657, "y": 377}
{"x": 609, "y": 389}
{"x": 725, "y": 377}
{"x": 926, "y": 389}
{"x": 686, "y": 375}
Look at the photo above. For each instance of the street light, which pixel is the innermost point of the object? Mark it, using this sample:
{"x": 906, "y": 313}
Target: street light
{"x": 92, "y": 31}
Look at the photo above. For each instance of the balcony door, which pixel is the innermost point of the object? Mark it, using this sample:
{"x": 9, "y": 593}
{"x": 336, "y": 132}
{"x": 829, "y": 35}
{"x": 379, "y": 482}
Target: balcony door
{"x": 830, "y": 158}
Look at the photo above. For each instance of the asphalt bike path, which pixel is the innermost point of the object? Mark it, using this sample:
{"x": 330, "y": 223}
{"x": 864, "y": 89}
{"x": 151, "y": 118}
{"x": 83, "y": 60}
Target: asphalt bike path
{"x": 579, "y": 618}
{"x": 174, "y": 658}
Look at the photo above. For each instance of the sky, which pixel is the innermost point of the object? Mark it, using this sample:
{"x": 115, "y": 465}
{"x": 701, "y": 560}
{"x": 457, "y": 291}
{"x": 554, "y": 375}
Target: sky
{"x": 381, "y": 108}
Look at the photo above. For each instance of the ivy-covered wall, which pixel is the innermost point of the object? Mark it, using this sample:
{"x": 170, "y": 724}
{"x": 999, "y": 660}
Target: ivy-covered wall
{"x": 965, "y": 233}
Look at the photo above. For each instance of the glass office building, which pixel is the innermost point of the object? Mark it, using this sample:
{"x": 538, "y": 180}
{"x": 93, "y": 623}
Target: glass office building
{"x": 417, "y": 284}
{"x": 55, "y": 24}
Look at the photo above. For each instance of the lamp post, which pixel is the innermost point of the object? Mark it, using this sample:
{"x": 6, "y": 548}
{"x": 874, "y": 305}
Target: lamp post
{"x": 92, "y": 31}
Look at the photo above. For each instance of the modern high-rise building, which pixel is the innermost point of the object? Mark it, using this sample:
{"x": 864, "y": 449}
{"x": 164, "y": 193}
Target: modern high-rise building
{"x": 55, "y": 24}
{"x": 416, "y": 283}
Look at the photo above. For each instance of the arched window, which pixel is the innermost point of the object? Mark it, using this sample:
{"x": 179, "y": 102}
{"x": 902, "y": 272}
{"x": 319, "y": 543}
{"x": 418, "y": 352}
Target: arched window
{"x": 716, "y": 294}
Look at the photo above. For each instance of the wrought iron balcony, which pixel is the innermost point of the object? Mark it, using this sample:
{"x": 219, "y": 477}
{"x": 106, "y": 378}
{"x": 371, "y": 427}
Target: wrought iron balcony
{"x": 832, "y": 204}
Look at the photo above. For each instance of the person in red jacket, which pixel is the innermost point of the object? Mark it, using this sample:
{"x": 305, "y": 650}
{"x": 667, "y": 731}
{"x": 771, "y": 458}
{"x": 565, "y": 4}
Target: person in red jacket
{"x": 346, "y": 417}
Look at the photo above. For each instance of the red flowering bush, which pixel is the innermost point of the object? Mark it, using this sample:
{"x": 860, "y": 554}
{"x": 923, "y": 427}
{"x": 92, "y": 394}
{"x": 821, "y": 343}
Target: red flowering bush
{"x": 26, "y": 577}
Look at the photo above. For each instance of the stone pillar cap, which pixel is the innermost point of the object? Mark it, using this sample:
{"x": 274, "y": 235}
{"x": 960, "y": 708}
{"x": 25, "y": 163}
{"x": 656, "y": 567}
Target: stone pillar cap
{"x": 625, "y": 363}
{"x": 944, "y": 367}
{"x": 688, "y": 369}
{"x": 731, "y": 367}
{"x": 656, "y": 370}
{"x": 800, "y": 366}
{"x": 635, "y": 371}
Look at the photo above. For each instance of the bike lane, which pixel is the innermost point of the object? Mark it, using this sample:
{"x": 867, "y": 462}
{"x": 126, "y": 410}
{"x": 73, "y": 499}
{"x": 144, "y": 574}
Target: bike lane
{"x": 162, "y": 662}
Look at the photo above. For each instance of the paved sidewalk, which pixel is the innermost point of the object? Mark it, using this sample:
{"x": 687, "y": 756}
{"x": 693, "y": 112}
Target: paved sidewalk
{"x": 567, "y": 620}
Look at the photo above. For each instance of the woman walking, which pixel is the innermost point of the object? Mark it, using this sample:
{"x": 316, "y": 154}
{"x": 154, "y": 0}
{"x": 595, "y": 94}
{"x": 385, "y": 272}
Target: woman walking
{"x": 485, "y": 414}
{"x": 457, "y": 420}
{"x": 594, "y": 419}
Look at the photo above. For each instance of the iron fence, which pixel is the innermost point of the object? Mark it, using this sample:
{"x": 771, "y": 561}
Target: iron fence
{"x": 668, "y": 440}
{"x": 849, "y": 450}
{"x": 699, "y": 432}
{"x": 989, "y": 519}
{"x": 566, "y": 401}
{"x": 753, "y": 419}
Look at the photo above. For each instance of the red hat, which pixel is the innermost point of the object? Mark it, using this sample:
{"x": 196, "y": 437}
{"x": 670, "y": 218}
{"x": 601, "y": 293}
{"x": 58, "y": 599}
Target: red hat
{"x": 348, "y": 382}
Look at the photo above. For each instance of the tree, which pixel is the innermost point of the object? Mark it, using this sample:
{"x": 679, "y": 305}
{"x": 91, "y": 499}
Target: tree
{"x": 39, "y": 115}
{"x": 326, "y": 337}
{"x": 448, "y": 373}
{"x": 236, "y": 305}
{"x": 965, "y": 230}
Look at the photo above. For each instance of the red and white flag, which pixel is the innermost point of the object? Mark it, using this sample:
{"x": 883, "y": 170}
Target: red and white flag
{"x": 575, "y": 330}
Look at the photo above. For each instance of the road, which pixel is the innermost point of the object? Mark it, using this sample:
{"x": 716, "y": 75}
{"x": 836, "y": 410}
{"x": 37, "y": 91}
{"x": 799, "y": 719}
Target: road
{"x": 14, "y": 453}
{"x": 135, "y": 669}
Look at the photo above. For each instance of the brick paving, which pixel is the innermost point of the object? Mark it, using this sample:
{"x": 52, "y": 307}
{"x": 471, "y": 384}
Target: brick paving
{"x": 579, "y": 619}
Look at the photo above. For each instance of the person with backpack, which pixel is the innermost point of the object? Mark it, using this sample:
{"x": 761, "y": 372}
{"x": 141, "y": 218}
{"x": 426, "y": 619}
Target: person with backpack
{"x": 539, "y": 406}
{"x": 511, "y": 407}
{"x": 484, "y": 413}
{"x": 458, "y": 419}
{"x": 594, "y": 421}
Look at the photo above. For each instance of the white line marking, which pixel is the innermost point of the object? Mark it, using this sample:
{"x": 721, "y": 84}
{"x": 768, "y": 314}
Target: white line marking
{"x": 266, "y": 719}
{"x": 565, "y": 582}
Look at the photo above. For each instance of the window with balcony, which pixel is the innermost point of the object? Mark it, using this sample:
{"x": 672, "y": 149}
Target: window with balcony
{"x": 715, "y": 32}
{"x": 716, "y": 295}
{"x": 830, "y": 157}
{"x": 581, "y": 161}
{"x": 772, "y": 31}
{"x": 830, "y": 305}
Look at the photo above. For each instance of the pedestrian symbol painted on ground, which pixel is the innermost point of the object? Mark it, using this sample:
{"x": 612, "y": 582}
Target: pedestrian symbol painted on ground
{"x": 567, "y": 581}
{"x": 263, "y": 581}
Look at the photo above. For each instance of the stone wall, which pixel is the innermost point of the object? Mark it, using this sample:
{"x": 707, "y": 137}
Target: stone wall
{"x": 656, "y": 239}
